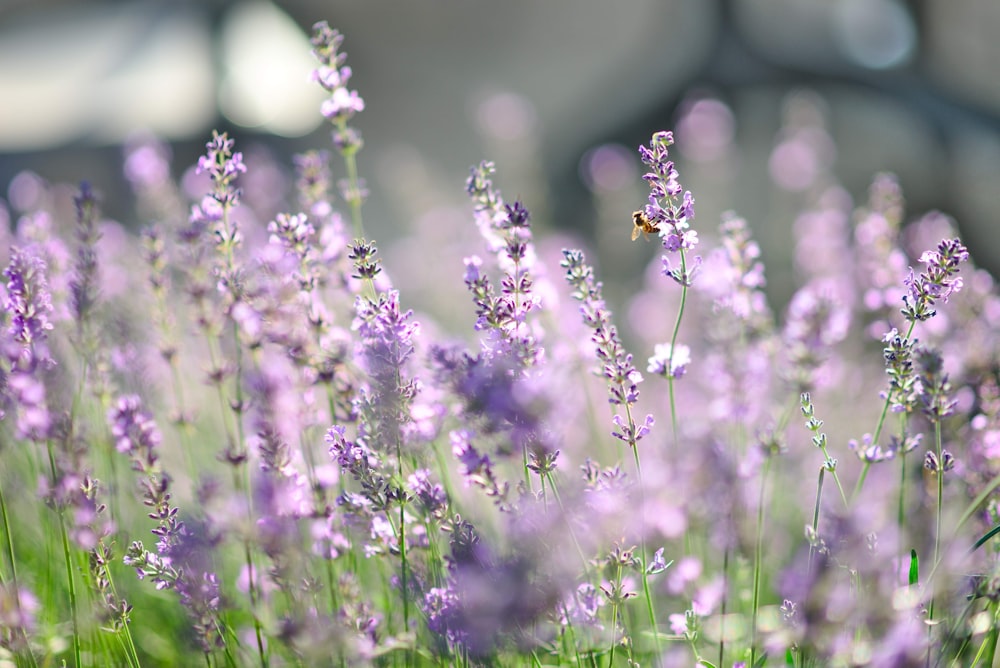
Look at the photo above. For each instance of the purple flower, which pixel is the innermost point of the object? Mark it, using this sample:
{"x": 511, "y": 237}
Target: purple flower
{"x": 817, "y": 319}
{"x": 664, "y": 356}
{"x": 670, "y": 209}
{"x": 934, "y": 387}
{"x": 28, "y": 304}
{"x": 582, "y": 607}
{"x": 477, "y": 467}
{"x": 83, "y": 289}
{"x": 333, "y": 75}
{"x": 898, "y": 356}
{"x": 616, "y": 364}
{"x": 504, "y": 316}
{"x": 431, "y": 495}
{"x": 18, "y": 607}
{"x": 134, "y": 430}
{"x": 223, "y": 166}
{"x": 939, "y": 281}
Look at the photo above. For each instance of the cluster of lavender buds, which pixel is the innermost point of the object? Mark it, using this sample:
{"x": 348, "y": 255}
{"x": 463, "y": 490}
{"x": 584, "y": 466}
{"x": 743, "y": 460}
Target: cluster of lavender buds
{"x": 181, "y": 560}
{"x": 939, "y": 281}
{"x": 616, "y": 364}
{"x": 333, "y": 75}
{"x": 507, "y": 231}
{"x": 27, "y": 308}
{"x": 668, "y": 209}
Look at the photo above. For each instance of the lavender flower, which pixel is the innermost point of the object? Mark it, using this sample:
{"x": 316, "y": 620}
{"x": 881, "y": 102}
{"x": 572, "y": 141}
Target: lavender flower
{"x": 223, "y": 166}
{"x": 741, "y": 329}
{"x": 27, "y": 308}
{"x": 617, "y": 368}
{"x": 333, "y": 75}
{"x": 507, "y": 231}
{"x": 898, "y": 355}
{"x": 669, "y": 362}
{"x": 934, "y": 388}
{"x": 181, "y": 560}
{"x": 816, "y": 321}
{"x": 18, "y": 608}
{"x": 83, "y": 289}
{"x": 939, "y": 281}
{"x": 386, "y": 344}
{"x": 668, "y": 210}
{"x": 878, "y": 258}
{"x": 28, "y": 303}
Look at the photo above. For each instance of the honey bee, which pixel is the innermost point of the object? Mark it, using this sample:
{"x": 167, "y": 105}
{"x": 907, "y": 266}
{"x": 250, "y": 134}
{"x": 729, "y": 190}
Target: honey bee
{"x": 642, "y": 224}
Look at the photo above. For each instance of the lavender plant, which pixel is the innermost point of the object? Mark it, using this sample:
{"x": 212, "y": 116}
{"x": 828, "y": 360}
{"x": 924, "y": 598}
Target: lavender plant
{"x": 341, "y": 481}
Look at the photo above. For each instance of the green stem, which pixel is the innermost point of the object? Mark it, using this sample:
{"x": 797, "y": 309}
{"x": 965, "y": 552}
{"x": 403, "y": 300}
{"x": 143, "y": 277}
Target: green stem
{"x": 878, "y": 430}
{"x": 815, "y": 522}
{"x": 938, "y": 511}
{"x": 650, "y": 609}
{"x": 614, "y": 617}
{"x": 758, "y": 559}
{"x": 673, "y": 347}
{"x": 13, "y": 571}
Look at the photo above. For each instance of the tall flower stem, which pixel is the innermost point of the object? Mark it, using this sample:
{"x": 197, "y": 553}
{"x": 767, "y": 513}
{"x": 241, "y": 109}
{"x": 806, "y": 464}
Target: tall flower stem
{"x": 939, "y": 474}
{"x": 758, "y": 560}
{"x": 878, "y": 431}
{"x": 9, "y": 545}
{"x": 70, "y": 580}
{"x": 650, "y": 609}
{"x": 673, "y": 348}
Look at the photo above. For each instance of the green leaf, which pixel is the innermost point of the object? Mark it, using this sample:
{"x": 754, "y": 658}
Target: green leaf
{"x": 914, "y": 568}
{"x": 989, "y": 534}
{"x": 761, "y": 661}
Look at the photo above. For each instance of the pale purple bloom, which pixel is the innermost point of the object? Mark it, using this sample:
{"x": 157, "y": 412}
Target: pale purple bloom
{"x": 670, "y": 208}
{"x": 503, "y": 315}
{"x": 18, "y": 608}
{"x": 29, "y": 305}
{"x": 333, "y": 75}
{"x": 134, "y": 430}
{"x": 816, "y": 321}
{"x": 582, "y": 607}
{"x": 83, "y": 288}
{"x": 678, "y": 623}
{"x": 939, "y": 281}
{"x": 222, "y": 165}
{"x": 430, "y": 495}
{"x": 667, "y": 361}
{"x": 658, "y": 564}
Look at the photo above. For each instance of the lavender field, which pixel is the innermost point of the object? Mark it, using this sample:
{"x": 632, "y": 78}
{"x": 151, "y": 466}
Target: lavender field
{"x": 233, "y": 440}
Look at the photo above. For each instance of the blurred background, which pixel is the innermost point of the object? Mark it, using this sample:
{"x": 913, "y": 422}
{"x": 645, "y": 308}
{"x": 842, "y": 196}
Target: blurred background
{"x": 772, "y": 102}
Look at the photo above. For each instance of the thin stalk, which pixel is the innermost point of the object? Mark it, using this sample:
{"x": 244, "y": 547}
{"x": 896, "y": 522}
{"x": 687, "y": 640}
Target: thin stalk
{"x": 650, "y": 610}
{"x": 405, "y": 567}
{"x": 614, "y": 617}
{"x": 129, "y": 645}
{"x": 562, "y": 509}
{"x": 13, "y": 571}
{"x": 901, "y": 509}
{"x": 758, "y": 558}
{"x": 673, "y": 349}
{"x": 70, "y": 582}
{"x": 815, "y": 522}
{"x": 353, "y": 194}
{"x": 722, "y": 618}
{"x": 938, "y": 513}
{"x": 878, "y": 430}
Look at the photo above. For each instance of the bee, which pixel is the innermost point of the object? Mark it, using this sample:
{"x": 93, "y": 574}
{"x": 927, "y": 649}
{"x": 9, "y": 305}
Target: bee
{"x": 642, "y": 224}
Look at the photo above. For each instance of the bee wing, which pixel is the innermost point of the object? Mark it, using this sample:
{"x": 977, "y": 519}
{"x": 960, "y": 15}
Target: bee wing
{"x": 635, "y": 232}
